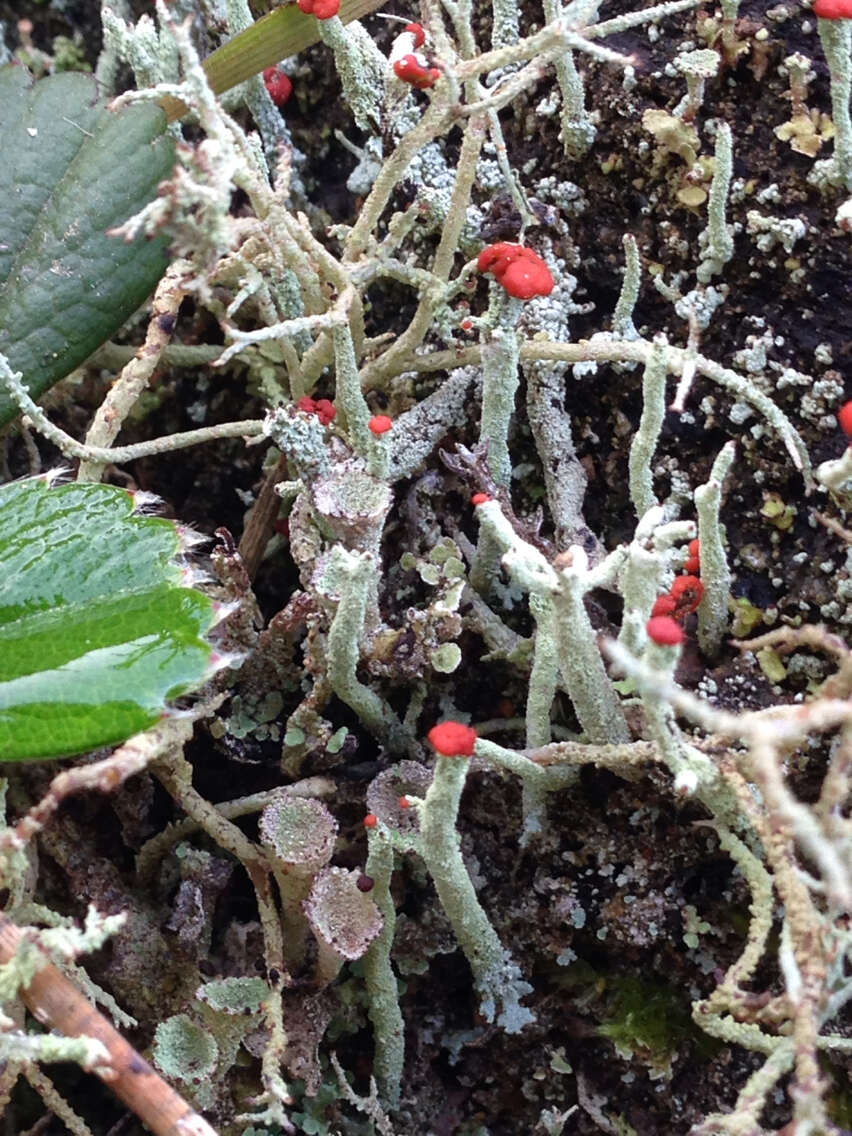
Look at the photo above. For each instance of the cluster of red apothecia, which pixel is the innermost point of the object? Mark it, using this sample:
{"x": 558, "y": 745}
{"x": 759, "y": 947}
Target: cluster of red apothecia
{"x": 671, "y": 609}
{"x": 323, "y": 408}
{"x": 519, "y": 270}
{"x": 326, "y": 411}
{"x": 410, "y": 68}
{"x": 322, "y": 9}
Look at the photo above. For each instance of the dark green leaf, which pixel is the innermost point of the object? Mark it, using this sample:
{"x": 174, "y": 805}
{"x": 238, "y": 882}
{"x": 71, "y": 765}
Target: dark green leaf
{"x": 71, "y": 170}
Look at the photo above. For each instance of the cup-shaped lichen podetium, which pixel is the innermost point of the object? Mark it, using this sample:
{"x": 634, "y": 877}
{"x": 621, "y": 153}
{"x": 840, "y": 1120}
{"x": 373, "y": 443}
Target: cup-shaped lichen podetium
{"x": 298, "y": 833}
{"x": 343, "y": 918}
{"x": 388, "y": 789}
{"x": 351, "y": 505}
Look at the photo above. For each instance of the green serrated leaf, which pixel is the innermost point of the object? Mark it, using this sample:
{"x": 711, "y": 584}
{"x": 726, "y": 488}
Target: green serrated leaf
{"x": 71, "y": 170}
{"x": 96, "y": 630}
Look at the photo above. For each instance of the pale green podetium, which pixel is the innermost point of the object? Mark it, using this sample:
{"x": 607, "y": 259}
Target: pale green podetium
{"x": 298, "y": 834}
{"x": 496, "y": 976}
{"x": 344, "y": 920}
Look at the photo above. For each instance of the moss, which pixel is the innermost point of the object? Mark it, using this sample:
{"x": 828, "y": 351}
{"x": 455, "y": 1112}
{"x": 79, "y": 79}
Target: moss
{"x": 652, "y": 1020}
{"x": 69, "y": 55}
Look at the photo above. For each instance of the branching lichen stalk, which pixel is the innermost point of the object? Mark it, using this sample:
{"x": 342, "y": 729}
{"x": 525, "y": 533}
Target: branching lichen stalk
{"x": 717, "y": 241}
{"x": 715, "y": 573}
{"x": 353, "y": 575}
{"x": 496, "y": 976}
{"x": 500, "y": 382}
{"x": 645, "y": 439}
{"x": 592, "y": 693}
{"x": 836, "y": 37}
{"x": 382, "y": 988}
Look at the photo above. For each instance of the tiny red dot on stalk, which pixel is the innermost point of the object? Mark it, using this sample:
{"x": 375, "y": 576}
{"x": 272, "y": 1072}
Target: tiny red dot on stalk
{"x": 404, "y": 803}
{"x": 844, "y": 418}
{"x": 370, "y": 820}
{"x": 480, "y": 499}
{"x": 380, "y": 423}
{"x": 665, "y": 631}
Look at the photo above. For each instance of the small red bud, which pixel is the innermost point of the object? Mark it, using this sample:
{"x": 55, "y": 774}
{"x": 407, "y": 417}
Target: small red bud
{"x": 411, "y": 70}
{"x": 325, "y": 410}
{"x": 419, "y": 34}
{"x": 453, "y": 739}
{"x": 370, "y": 820}
{"x": 687, "y": 592}
{"x": 278, "y": 84}
{"x": 664, "y": 605}
{"x": 844, "y": 418}
{"x": 479, "y": 499}
{"x": 380, "y": 423}
{"x": 664, "y": 631}
{"x": 404, "y": 803}
{"x": 833, "y": 9}
{"x": 692, "y": 564}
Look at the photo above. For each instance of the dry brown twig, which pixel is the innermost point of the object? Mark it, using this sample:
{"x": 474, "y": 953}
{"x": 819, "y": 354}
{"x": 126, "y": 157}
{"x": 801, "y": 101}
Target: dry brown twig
{"x": 55, "y": 1002}
{"x": 51, "y": 997}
